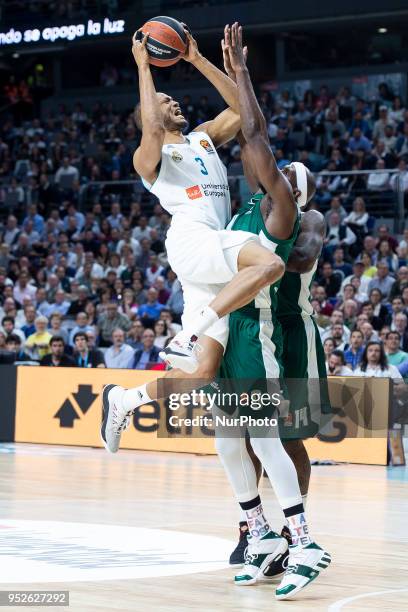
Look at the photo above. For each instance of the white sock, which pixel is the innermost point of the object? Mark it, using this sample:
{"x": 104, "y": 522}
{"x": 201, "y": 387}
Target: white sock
{"x": 258, "y": 526}
{"x": 298, "y": 529}
{"x": 205, "y": 319}
{"x": 242, "y": 516}
{"x": 132, "y": 398}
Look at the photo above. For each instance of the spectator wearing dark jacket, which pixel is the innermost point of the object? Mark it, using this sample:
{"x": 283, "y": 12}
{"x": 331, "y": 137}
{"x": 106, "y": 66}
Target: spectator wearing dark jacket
{"x": 13, "y": 343}
{"x": 57, "y": 358}
{"x": 330, "y": 280}
{"x": 147, "y": 355}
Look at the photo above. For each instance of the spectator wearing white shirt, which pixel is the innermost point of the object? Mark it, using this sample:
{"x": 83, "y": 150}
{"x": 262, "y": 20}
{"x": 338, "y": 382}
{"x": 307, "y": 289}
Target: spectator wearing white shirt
{"x": 66, "y": 170}
{"x": 154, "y": 270}
{"x": 338, "y": 234}
{"x": 397, "y": 112}
{"x": 12, "y": 231}
{"x": 119, "y": 355}
{"x": 129, "y": 241}
{"x": 142, "y": 230}
{"x": 374, "y": 363}
{"x": 337, "y": 318}
{"x": 400, "y": 177}
{"x": 336, "y": 365}
{"x": 379, "y": 181}
{"x": 115, "y": 219}
{"x": 358, "y": 280}
{"x": 96, "y": 269}
{"x": 338, "y": 334}
{"x": 22, "y": 289}
{"x": 358, "y": 215}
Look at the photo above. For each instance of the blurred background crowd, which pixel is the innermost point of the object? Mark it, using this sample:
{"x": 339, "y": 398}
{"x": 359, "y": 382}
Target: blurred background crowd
{"x": 82, "y": 244}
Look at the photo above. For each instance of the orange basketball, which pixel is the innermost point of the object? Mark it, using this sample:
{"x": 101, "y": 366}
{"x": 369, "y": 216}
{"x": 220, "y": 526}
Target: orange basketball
{"x": 167, "y": 40}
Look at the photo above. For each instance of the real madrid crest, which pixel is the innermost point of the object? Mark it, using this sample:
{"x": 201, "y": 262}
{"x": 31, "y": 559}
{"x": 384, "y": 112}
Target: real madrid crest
{"x": 177, "y": 157}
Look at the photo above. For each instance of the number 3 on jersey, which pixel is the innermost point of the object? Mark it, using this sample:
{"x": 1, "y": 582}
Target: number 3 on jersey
{"x": 202, "y": 164}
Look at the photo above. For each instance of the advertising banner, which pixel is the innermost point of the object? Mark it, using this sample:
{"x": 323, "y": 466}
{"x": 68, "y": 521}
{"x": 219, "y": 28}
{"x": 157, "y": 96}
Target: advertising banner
{"x": 63, "y": 406}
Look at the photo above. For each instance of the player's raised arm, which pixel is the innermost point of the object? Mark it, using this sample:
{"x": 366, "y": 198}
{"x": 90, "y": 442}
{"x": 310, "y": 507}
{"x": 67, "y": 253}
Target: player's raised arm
{"x": 253, "y": 124}
{"x": 148, "y": 155}
{"x": 249, "y": 171}
{"x": 222, "y": 83}
{"x": 309, "y": 243}
{"x": 226, "y": 125}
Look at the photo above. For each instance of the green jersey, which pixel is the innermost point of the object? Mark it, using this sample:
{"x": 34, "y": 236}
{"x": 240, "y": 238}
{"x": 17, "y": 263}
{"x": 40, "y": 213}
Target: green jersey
{"x": 255, "y": 338}
{"x": 250, "y": 219}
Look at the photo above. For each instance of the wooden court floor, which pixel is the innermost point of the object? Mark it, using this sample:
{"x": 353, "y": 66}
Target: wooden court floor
{"x": 151, "y": 532}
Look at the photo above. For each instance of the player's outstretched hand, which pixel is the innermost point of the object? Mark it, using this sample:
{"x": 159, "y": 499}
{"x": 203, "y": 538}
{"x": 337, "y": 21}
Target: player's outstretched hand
{"x": 225, "y": 45}
{"x": 233, "y": 42}
{"x": 139, "y": 50}
{"x": 192, "y": 53}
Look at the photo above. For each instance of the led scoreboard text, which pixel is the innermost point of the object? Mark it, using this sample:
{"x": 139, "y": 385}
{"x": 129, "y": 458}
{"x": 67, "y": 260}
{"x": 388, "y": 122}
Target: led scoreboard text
{"x": 105, "y": 27}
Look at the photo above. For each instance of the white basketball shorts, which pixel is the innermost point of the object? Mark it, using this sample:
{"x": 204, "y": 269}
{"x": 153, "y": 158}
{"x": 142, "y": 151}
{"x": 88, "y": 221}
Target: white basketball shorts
{"x": 205, "y": 260}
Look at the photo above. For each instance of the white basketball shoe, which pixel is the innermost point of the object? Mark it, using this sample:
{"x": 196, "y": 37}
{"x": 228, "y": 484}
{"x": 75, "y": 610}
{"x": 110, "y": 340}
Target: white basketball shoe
{"x": 115, "y": 418}
{"x": 181, "y": 353}
{"x": 304, "y": 565}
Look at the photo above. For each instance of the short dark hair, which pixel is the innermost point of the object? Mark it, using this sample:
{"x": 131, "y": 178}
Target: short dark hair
{"x": 13, "y": 338}
{"x": 340, "y": 354}
{"x": 395, "y": 332}
{"x": 357, "y": 331}
{"x": 7, "y": 318}
{"x": 80, "y": 335}
{"x": 57, "y": 339}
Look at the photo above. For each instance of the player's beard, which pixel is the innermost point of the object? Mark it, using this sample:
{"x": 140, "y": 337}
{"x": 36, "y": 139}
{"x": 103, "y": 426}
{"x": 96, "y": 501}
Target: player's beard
{"x": 174, "y": 124}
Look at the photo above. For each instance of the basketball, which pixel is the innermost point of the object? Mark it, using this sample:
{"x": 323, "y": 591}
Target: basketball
{"x": 167, "y": 40}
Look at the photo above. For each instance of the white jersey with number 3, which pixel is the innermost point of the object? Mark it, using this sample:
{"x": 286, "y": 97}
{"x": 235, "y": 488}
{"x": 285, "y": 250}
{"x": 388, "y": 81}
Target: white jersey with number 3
{"x": 193, "y": 182}
{"x": 192, "y": 186}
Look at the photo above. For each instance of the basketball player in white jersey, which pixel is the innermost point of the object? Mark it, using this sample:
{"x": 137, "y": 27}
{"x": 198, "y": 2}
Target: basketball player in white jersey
{"x": 220, "y": 270}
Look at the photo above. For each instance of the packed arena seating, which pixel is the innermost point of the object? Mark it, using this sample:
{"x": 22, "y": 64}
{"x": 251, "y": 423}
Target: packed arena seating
{"x": 82, "y": 243}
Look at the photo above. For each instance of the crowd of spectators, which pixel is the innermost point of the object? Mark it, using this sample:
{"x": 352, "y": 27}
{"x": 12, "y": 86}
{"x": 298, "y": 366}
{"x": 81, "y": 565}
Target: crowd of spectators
{"x": 363, "y": 303}
{"x": 87, "y": 283}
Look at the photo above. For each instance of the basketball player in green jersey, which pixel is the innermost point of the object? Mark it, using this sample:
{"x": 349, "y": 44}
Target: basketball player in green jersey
{"x": 255, "y": 344}
{"x": 302, "y": 352}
